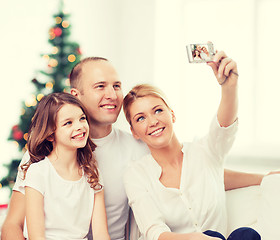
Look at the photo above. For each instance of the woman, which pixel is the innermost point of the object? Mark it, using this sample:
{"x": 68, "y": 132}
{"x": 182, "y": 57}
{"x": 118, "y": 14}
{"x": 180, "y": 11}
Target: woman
{"x": 177, "y": 191}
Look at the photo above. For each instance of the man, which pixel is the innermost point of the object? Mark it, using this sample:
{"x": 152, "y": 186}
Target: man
{"x": 96, "y": 83}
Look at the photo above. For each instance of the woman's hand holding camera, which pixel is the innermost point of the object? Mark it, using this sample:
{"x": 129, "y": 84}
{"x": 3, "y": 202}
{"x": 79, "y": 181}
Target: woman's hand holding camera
{"x": 224, "y": 68}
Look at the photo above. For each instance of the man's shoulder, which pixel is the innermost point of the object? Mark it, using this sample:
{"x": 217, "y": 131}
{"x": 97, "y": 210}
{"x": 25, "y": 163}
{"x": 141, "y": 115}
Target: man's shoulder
{"x": 141, "y": 168}
{"x": 127, "y": 142}
{"x": 124, "y": 136}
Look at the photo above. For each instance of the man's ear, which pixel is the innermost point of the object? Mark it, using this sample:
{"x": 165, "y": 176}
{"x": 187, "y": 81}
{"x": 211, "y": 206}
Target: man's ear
{"x": 173, "y": 116}
{"x": 75, "y": 92}
{"x": 133, "y": 133}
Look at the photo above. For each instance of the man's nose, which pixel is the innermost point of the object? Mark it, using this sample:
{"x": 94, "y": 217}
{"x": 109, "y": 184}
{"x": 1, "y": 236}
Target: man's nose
{"x": 110, "y": 93}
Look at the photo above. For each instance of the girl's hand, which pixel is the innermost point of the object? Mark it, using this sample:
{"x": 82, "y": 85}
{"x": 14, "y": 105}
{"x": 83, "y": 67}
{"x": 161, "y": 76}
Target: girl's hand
{"x": 224, "y": 68}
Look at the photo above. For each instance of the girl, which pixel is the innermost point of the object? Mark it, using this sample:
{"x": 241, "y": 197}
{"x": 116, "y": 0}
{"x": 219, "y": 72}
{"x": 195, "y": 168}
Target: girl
{"x": 63, "y": 190}
{"x": 196, "y": 55}
{"x": 177, "y": 191}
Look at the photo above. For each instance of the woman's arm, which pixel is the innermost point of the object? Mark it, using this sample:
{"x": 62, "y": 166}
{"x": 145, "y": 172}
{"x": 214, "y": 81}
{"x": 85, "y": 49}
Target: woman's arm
{"x": 235, "y": 179}
{"x": 99, "y": 219}
{"x": 13, "y": 225}
{"x": 35, "y": 214}
{"x": 225, "y": 70}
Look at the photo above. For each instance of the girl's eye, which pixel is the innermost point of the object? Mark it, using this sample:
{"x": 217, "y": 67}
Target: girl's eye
{"x": 83, "y": 118}
{"x": 67, "y": 123}
{"x": 140, "y": 119}
{"x": 159, "y": 110}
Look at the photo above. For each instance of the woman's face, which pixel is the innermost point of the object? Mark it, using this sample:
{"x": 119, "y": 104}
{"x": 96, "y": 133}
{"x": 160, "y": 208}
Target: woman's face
{"x": 152, "y": 121}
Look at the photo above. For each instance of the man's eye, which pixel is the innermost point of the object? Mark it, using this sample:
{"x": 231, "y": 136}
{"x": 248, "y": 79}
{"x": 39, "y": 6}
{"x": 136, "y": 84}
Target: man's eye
{"x": 140, "y": 119}
{"x": 117, "y": 86}
{"x": 100, "y": 86}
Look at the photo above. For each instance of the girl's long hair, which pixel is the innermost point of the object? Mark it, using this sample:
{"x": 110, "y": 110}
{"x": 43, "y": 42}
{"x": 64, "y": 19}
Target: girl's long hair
{"x": 42, "y": 129}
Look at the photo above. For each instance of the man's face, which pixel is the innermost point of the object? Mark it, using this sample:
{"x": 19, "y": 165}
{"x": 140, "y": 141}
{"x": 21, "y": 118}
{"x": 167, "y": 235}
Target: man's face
{"x": 100, "y": 91}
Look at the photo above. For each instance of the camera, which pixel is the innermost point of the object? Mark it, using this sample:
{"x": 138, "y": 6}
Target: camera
{"x": 200, "y": 53}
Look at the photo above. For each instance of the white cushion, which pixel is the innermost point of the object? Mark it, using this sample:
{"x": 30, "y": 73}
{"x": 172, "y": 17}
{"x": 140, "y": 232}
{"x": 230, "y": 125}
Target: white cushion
{"x": 242, "y": 207}
{"x": 269, "y": 212}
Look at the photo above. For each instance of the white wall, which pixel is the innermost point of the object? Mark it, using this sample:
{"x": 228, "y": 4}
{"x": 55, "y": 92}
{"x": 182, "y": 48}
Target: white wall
{"x": 145, "y": 40}
{"x": 122, "y": 31}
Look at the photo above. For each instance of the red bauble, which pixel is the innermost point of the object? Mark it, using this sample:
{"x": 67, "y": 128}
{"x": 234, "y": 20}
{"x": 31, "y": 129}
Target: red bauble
{"x": 57, "y": 31}
{"x": 18, "y": 135}
{"x": 79, "y": 51}
{"x": 15, "y": 127}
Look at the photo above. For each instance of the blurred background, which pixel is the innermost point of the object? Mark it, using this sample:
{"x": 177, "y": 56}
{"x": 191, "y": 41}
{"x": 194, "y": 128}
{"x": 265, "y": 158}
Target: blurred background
{"x": 146, "y": 41}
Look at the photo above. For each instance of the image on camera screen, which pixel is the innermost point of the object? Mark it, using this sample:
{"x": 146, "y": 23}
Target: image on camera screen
{"x": 200, "y": 53}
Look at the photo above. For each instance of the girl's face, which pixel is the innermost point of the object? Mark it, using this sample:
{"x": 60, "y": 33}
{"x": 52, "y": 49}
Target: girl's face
{"x": 152, "y": 121}
{"x": 72, "y": 129}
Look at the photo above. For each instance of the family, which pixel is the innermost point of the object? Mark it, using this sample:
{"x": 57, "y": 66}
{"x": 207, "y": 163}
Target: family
{"x": 80, "y": 175}
{"x": 201, "y": 53}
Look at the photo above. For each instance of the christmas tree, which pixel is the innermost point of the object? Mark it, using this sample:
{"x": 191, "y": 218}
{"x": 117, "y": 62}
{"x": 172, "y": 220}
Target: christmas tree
{"x": 55, "y": 78}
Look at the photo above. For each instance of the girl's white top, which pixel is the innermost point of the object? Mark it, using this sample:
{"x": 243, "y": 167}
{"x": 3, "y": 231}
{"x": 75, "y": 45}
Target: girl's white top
{"x": 199, "y": 204}
{"x": 68, "y": 205}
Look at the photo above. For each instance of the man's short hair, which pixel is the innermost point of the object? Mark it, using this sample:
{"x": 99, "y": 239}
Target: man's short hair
{"x": 77, "y": 70}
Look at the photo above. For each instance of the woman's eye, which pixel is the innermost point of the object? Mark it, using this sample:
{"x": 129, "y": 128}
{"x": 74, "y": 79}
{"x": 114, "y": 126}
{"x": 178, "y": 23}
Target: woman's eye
{"x": 158, "y": 111}
{"x": 140, "y": 119}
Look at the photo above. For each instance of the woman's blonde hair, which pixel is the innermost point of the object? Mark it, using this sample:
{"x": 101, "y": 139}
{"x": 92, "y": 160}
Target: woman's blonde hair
{"x": 139, "y": 91}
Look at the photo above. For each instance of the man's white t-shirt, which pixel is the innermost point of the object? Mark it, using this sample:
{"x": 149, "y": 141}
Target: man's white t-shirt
{"x": 113, "y": 154}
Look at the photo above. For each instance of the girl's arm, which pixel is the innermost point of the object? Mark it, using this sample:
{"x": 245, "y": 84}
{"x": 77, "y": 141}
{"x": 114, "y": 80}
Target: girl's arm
{"x": 225, "y": 70}
{"x": 35, "y": 214}
{"x": 99, "y": 218}
{"x": 13, "y": 225}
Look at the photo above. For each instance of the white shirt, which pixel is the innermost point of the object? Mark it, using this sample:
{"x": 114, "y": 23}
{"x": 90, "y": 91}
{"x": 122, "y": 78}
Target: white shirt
{"x": 113, "y": 154}
{"x": 68, "y": 204}
{"x": 199, "y": 204}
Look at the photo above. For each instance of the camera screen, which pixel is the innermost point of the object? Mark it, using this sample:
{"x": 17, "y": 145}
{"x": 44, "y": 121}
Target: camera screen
{"x": 200, "y": 53}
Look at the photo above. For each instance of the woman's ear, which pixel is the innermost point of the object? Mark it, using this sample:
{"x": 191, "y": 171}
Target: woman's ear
{"x": 133, "y": 133}
{"x": 173, "y": 116}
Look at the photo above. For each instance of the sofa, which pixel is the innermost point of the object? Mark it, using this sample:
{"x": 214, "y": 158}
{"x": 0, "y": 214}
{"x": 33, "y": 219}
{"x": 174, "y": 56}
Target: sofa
{"x": 255, "y": 206}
